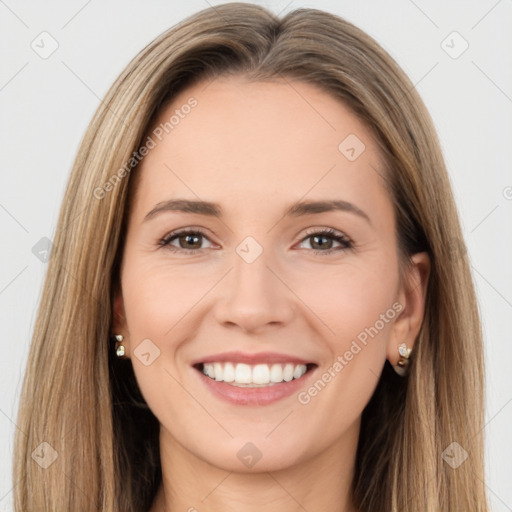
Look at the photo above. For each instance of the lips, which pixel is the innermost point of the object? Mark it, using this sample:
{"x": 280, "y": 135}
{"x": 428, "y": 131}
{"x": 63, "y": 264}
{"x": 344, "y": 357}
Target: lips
{"x": 253, "y": 379}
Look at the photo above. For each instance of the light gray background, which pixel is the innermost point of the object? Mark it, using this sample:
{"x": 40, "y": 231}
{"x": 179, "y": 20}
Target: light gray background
{"x": 46, "y": 105}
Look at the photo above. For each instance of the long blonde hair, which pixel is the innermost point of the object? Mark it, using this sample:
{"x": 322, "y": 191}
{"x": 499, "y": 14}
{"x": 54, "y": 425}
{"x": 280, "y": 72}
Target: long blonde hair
{"x": 85, "y": 403}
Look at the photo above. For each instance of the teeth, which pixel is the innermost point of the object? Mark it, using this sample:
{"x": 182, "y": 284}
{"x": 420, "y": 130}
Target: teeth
{"x": 229, "y": 372}
{"x": 208, "y": 370}
{"x": 297, "y": 372}
{"x": 245, "y": 375}
{"x": 218, "y": 371}
{"x": 288, "y": 372}
{"x": 260, "y": 374}
{"x": 276, "y": 373}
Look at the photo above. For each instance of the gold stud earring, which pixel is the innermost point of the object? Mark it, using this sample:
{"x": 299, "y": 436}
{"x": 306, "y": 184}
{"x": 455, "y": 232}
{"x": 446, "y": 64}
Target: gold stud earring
{"x": 120, "y": 348}
{"x": 404, "y": 352}
{"x": 403, "y": 362}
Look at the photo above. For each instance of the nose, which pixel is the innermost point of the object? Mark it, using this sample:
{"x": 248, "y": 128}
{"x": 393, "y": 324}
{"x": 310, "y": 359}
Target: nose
{"x": 255, "y": 296}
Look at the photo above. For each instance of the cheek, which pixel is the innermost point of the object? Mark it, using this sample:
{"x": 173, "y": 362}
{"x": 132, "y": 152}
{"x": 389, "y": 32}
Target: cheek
{"x": 350, "y": 299}
{"x": 357, "y": 303}
{"x": 157, "y": 295}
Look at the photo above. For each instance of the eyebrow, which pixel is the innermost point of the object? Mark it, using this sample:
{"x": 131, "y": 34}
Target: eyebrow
{"x": 297, "y": 209}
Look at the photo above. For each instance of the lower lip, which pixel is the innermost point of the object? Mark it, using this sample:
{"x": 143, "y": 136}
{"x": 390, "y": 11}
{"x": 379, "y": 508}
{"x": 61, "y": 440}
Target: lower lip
{"x": 254, "y": 396}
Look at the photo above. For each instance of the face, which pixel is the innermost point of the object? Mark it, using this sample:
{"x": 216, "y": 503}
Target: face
{"x": 249, "y": 292}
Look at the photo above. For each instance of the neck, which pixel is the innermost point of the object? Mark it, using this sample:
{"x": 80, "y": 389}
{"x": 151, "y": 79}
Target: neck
{"x": 321, "y": 482}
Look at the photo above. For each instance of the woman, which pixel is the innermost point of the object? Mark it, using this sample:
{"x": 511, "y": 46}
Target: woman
{"x": 194, "y": 350}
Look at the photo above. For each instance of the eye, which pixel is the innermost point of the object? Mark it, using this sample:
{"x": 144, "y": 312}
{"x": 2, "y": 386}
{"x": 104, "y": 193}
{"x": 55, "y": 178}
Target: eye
{"x": 324, "y": 239}
{"x": 189, "y": 241}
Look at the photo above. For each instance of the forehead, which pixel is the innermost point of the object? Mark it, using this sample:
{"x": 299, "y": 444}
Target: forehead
{"x": 251, "y": 142}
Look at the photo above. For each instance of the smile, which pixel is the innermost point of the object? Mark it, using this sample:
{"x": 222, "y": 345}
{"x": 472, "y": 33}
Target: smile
{"x": 259, "y": 375}
{"x": 253, "y": 380}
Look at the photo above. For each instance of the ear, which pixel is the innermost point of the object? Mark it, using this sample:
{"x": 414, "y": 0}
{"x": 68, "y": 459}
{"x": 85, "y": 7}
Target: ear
{"x": 411, "y": 296}
{"x": 119, "y": 318}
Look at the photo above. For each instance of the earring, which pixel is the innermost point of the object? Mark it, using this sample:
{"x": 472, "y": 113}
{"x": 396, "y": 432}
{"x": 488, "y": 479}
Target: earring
{"x": 120, "y": 348}
{"x": 403, "y": 362}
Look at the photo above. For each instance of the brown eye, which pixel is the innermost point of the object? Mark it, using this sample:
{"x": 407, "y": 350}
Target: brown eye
{"x": 187, "y": 241}
{"x": 322, "y": 241}
{"x": 190, "y": 241}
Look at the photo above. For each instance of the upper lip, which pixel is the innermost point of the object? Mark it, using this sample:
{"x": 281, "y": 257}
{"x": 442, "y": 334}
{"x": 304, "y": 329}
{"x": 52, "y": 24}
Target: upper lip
{"x": 252, "y": 359}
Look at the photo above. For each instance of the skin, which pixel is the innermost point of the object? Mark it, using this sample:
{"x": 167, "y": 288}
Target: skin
{"x": 256, "y": 148}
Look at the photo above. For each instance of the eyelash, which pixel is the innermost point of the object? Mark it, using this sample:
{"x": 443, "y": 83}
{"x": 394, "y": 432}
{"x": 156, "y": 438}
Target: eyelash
{"x": 327, "y": 232}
